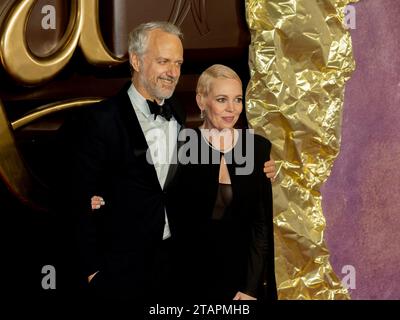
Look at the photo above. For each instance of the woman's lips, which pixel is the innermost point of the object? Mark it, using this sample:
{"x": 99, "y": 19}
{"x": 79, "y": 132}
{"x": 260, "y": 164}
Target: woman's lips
{"x": 228, "y": 119}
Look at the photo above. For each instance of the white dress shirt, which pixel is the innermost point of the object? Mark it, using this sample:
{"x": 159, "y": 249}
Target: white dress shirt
{"x": 161, "y": 137}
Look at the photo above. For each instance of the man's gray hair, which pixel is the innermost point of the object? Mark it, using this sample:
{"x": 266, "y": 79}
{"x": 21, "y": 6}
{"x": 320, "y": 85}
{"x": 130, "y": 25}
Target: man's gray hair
{"x": 138, "y": 37}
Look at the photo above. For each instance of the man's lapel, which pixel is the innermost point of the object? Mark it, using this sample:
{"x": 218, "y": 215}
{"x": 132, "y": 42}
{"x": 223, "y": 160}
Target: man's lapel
{"x": 177, "y": 111}
{"x": 180, "y": 117}
{"x": 173, "y": 167}
{"x": 131, "y": 123}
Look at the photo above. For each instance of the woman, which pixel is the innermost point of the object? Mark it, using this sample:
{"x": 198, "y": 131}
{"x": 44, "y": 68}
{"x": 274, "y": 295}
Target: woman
{"x": 222, "y": 218}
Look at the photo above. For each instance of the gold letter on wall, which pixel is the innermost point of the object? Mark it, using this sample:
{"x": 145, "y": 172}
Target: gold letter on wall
{"x": 83, "y": 28}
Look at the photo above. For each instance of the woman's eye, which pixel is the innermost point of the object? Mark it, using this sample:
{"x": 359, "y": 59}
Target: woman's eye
{"x": 221, "y": 100}
{"x": 239, "y": 100}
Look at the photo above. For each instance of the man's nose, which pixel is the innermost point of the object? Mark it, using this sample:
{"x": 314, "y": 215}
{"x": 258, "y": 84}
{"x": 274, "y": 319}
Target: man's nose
{"x": 174, "y": 70}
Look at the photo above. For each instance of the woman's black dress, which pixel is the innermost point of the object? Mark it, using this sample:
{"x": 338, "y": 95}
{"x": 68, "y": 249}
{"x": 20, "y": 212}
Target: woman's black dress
{"x": 224, "y": 233}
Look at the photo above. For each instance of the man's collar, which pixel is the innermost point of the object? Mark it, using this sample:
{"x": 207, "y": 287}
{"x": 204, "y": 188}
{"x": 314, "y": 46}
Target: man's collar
{"x": 139, "y": 101}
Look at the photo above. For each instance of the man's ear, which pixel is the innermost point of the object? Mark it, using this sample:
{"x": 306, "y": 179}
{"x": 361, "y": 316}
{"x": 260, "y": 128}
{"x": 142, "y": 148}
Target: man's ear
{"x": 134, "y": 61}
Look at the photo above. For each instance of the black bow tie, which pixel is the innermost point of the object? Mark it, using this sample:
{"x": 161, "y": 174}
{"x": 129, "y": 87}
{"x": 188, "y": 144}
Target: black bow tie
{"x": 163, "y": 111}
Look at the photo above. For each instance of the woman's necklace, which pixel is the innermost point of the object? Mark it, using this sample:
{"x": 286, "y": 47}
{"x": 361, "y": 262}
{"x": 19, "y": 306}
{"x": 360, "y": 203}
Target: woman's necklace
{"x": 222, "y": 141}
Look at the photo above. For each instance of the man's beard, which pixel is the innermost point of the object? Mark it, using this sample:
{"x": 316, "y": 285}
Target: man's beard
{"x": 155, "y": 91}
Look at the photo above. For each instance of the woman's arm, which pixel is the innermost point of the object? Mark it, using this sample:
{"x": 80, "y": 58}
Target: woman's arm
{"x": 260, "y": 269}
{"x": 258, "y": 251}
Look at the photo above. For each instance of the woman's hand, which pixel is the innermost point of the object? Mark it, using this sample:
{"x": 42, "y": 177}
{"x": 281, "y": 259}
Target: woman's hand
{"x": 97, "y": 202}
{"x": 270, "y": 169}
{"x": 242, "y": 296}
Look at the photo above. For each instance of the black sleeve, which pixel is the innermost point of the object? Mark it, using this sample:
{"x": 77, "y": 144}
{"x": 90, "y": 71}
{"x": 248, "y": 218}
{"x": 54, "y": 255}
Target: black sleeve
{"x": 87, "y": 174}
{"x": 260, "y": 281}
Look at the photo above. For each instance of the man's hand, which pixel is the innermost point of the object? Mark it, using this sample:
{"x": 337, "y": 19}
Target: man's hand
{"x": 270, "y": 169}
{"x": 242, "y": 296}
{"x": 92, "y": 276}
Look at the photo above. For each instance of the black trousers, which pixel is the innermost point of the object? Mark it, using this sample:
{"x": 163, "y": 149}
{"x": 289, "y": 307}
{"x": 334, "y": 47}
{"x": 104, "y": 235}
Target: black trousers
{"x": 162, "y": 275}
{"x": 154, "y": 282}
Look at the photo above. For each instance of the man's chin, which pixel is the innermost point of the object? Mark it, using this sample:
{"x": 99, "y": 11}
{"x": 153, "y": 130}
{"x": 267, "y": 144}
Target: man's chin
{"x": 165, "y": 94}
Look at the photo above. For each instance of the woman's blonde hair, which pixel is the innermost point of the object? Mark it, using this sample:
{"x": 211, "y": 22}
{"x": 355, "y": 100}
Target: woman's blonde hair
{"x": 216, "y": 71}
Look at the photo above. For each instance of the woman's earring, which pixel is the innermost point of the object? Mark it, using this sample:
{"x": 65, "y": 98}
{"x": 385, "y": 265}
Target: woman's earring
{"x": 202, "y": 114}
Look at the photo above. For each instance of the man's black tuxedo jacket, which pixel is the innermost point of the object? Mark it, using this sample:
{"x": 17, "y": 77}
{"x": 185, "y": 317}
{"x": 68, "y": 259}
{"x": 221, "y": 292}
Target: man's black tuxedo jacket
{"x": 109, "y": 159}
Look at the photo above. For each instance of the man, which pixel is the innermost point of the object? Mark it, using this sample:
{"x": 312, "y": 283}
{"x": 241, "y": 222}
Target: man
{"x": 126, "y": 246}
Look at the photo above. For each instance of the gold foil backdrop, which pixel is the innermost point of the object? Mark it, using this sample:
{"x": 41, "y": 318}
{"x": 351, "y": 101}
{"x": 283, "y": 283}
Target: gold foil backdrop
{"x": 300, "y": 59}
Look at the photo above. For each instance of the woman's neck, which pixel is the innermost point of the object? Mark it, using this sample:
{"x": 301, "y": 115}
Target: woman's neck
{"x": 221, "y": 140}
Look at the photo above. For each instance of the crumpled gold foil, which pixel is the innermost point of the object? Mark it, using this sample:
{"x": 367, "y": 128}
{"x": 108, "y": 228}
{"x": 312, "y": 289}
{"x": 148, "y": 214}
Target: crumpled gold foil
{"x": 300, "y": 59}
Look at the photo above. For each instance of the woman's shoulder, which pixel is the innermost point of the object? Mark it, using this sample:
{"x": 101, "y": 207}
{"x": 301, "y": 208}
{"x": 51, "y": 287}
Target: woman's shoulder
{"x": 256, "y": 145}
{"x": 251, "y": 135}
